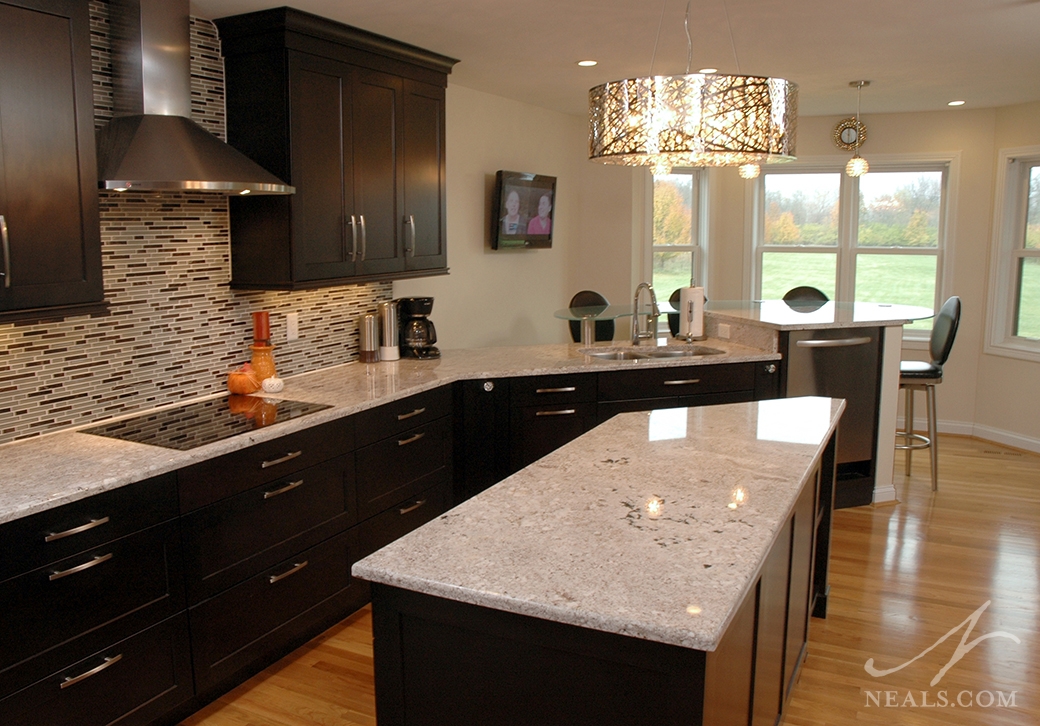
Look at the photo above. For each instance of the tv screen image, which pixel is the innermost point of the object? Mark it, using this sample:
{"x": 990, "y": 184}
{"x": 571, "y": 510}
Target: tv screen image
{"x": 523, "y": 210}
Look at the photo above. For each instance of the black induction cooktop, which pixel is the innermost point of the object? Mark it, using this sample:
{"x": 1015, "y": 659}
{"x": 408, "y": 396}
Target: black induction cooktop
{"x": 196, "y": 424}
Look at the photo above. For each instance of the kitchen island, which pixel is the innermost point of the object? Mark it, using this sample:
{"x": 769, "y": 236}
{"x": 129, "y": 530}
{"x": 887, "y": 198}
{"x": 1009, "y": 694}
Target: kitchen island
{"x": 659, "y": 569}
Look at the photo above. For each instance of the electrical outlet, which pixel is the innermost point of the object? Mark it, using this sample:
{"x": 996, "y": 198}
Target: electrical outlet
{"x": 724, "y": 331}
{"x": 292, "y": 326}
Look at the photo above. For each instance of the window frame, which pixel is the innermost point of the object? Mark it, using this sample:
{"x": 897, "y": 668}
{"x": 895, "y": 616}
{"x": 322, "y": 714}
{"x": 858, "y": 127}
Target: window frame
{"x": 698, "y": 232}
{"x": 1010, "y": 211}
{"x": 848, "y": 224}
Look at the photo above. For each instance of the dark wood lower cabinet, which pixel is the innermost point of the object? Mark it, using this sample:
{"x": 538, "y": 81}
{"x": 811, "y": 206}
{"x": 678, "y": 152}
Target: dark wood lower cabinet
{"x": 445, "y": 662}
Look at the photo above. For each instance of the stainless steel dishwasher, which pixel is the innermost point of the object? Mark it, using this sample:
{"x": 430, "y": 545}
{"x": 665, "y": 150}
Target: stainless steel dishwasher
{"x": 842, "y": 363}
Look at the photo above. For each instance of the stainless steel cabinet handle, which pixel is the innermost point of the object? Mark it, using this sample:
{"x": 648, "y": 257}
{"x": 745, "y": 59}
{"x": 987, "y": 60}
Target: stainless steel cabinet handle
{"x": 7, "y": 251}
{"x": 76, "y": 530}
{"x": 288, "y": 457}
{"x": 73, "y": 680}
{"x": 364, "y": 237}
{"x": 353, "y": 238}
{"x": 562, "y": 412}
{"x": 839, "y": 343}
{"x": 564, "y": 389}
{"x": 291, "y": 571}
{"x": 416, "y": 412}
{"x": 410, "y": 439}
{"x": 771, "y": 368}
{"x": 287, "y": 488}
{"x": 410, "y": 221}
{"x": 79, "y": 568}
{"x": 682, "y": 382}
{"x": 412, "y": 508}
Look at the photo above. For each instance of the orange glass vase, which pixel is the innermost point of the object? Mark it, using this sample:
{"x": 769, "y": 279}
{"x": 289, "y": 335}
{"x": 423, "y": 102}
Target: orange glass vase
{"x": 263, "y": 362}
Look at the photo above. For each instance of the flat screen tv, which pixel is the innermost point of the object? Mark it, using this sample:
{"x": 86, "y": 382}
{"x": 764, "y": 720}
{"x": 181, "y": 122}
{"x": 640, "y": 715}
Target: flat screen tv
{"x": 523, "y": 210}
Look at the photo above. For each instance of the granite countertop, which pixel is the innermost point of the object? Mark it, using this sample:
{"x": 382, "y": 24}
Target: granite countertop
{"x": 779, "y": 315}
{"x": 652, "y": 525}
{"x": 55, "y": 469}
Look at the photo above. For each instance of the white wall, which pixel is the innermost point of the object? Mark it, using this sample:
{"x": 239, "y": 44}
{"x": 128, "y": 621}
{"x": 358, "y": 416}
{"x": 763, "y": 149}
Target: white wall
{"x": 507, "y": 297}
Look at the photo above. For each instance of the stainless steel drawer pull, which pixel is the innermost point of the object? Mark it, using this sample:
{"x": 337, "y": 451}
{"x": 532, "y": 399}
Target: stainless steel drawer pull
{"x": 839, "y": 343}
{"x": 564, "y": 389}
{"x": 73, "y": 680}
{"x": 410, "y": 439}
{"x": 76, "y": 530}
{"x": 683, "y": 382}
{"x": 561, "y": 412}
{"x": 287, "y": 488}
{"x": 416, "y": 412}
{"x": 364, "y": 237}
{"x": 412, "y": 508}
{"x": 353, "y": 239}
{"x": 292, "y": 571}
{"x": 79, "y": 568}
{"x": 6, "y": 243}
{"x": 288, "y": 457}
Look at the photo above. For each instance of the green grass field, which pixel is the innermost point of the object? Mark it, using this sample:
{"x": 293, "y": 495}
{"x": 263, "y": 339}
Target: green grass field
{"x": 906, "y": 280}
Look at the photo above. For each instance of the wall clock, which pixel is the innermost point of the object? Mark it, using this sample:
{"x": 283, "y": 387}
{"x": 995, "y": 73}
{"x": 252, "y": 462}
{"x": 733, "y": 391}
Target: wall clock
{"x": 850, "y": 134}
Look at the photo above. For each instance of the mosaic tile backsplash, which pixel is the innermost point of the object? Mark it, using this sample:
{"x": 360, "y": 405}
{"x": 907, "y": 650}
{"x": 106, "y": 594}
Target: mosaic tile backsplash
{"x": 175, "y": 327}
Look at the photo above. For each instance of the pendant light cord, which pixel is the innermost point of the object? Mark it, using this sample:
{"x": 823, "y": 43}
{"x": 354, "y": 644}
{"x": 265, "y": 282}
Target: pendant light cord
{"x": 658, "y": 39}
{"x": 732, "y": 43}
{"x": 689, "y": 42}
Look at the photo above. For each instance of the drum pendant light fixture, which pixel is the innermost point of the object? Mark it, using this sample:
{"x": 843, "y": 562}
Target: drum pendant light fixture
{"x": 696, "y": 119}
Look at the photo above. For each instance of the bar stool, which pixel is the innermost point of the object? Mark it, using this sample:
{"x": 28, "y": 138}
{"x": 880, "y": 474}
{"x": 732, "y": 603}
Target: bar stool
{"x": 588, "y": 298}
{"x": 925, "y": 376}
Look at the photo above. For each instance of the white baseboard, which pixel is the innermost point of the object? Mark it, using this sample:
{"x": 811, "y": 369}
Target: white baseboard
{"x": 966, "y": 428}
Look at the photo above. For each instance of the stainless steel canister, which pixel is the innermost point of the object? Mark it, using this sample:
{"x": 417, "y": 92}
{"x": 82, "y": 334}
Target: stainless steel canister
{"x": 388, "y": 346}
{"x": 368, "y": 328}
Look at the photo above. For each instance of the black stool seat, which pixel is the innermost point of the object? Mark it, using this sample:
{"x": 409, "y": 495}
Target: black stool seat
{"x": 919, "y": 370}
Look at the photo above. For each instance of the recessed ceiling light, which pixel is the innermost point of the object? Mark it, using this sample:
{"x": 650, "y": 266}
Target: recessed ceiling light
{"x": 708, "y": 70}
{"x": 955, "y": 103}
{"x": 587, "y": 63}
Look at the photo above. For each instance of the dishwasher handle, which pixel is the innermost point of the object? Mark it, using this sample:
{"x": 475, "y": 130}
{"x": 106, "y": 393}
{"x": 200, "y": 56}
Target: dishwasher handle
{"x": 837, "y": 343}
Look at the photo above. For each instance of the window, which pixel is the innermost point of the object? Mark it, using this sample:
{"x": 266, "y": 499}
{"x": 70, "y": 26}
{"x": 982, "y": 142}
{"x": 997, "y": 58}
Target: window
{"x": 878, "y": 238}
{"x": 676, "y": 255}
{"x": 1015, "y": 287}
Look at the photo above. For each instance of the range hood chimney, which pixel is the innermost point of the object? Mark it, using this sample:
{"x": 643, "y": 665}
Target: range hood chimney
{"x": 151, "y": 143}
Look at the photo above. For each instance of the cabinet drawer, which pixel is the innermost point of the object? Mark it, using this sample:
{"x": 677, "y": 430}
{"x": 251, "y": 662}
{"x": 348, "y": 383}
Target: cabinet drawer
{"x": 213, "y": 480}
{"x": 58, "y": 533}
{"x": 392, "y": 418}
{"x": 547, "y": 390}
{"x": 684, "y": 381}
{"x": 133, "y": 682}
{"x": 538, "y": 430}
{"x": 388, "y": 470}
{"x": 231, "y": 540}
{"x": 402, "y": 518}
{"x": 136, "y": 577}
{"x": 241, "y": 626}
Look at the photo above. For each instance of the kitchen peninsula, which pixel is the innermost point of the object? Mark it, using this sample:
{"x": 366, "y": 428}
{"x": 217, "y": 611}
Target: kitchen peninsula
{"x": 657, "y": 570}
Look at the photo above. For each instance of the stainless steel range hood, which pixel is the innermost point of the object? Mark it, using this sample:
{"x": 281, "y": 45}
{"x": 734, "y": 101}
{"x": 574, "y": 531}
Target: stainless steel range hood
{"x": 151, "y": 143}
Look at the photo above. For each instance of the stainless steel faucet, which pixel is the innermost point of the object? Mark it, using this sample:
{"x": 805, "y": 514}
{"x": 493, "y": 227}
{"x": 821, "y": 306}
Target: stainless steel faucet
{"x": 651, "y": 318}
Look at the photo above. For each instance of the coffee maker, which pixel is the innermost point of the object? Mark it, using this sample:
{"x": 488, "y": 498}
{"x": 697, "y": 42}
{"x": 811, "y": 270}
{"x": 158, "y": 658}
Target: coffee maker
{"x": 417, "y": 332}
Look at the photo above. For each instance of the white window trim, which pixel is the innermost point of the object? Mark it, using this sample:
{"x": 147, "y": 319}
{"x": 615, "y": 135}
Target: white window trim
{"x": 698, "y": 229}
{"x": 754, "y": 205}
{"x": 999, "y": 340}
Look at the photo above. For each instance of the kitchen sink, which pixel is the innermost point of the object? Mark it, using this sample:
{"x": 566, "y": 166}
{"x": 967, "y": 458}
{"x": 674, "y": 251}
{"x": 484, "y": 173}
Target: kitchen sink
{"x": 648, "y": 353}
{"x": 618, "y": 355}
{"x": 696, "y": 350}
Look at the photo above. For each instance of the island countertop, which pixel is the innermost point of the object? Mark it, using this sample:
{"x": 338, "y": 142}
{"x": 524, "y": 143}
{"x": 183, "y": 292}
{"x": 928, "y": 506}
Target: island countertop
{"x": 652, "y": 525}
{"x": 47, "y": 471}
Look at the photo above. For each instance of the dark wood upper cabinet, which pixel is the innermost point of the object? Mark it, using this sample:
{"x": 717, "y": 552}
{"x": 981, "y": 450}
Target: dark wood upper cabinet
{"x": 50, "y": 251}
{"x": 355, "y": 122}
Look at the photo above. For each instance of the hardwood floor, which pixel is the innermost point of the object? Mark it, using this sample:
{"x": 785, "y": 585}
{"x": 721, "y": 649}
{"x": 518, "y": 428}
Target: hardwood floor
{"x": 903, "y": 575}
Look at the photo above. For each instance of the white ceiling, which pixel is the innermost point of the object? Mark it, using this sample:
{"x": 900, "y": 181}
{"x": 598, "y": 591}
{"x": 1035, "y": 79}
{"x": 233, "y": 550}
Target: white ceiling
{"x": 918, "y": 54}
